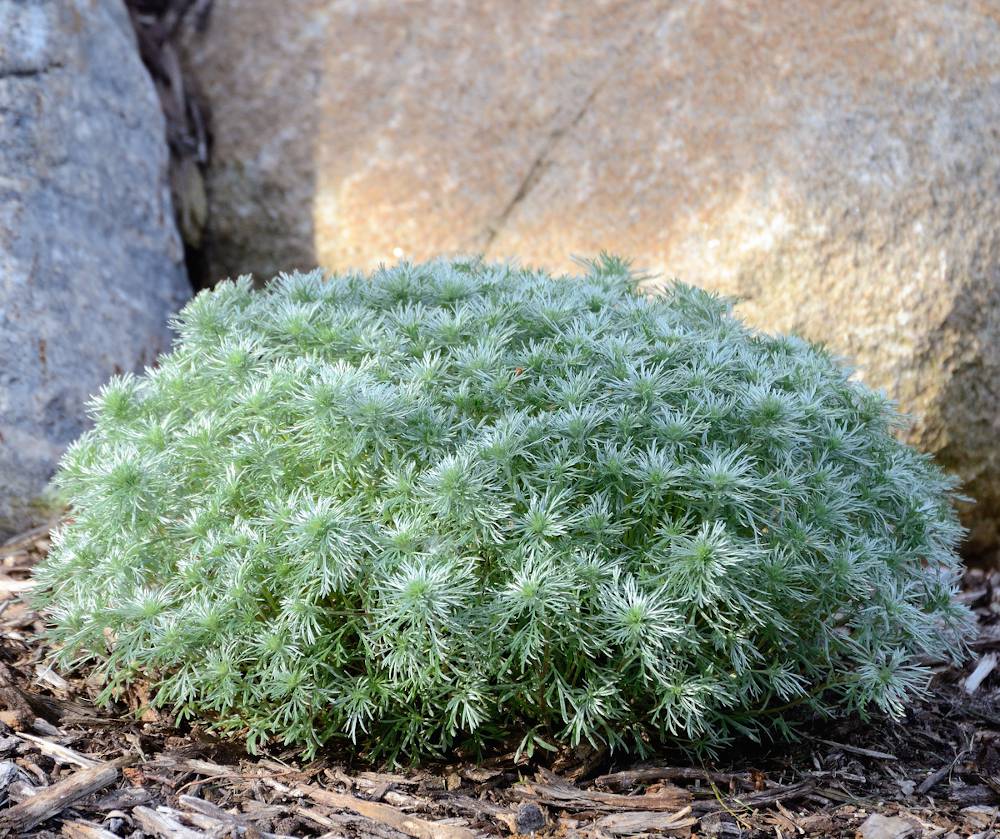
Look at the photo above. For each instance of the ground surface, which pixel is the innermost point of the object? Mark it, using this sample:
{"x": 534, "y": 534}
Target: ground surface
{"x": 67, "y": 768}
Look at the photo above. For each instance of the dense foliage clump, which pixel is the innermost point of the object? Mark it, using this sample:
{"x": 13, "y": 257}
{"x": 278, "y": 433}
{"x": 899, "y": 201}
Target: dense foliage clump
{"x": 458, "y": 502}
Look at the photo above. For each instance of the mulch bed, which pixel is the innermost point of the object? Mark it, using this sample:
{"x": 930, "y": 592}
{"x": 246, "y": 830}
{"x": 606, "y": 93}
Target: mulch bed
{"x": 70, "y": 769}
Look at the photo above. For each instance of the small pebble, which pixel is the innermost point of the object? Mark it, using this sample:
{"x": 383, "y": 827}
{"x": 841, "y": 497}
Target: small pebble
{"x": 529, "y": 818}
{"x": 118, "y": 822}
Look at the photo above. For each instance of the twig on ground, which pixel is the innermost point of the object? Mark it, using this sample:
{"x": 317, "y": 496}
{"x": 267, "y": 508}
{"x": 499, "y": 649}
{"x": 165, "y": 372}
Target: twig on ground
{"x": 8, "y": 585}
{"x": 160, "y": 822}
{"x": 86, "y": 830}
{"x": 26, "y": 539}
{"x": 631, "y": 822}
{"x": 987, "y": 664}
{"x": 757, "y": 799}
{"x": 551, "y": 789}
{"x": 939, "y": 775}
{"x": 386, "y": 814}
{"x": 51, "y": 801}
{"x": 857, "y": 750}
{"x": 648, "y": 774}
{"x": 64, "y": 754}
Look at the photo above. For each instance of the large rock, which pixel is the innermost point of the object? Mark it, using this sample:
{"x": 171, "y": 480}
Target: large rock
{"x": 90, "y": 262}
{"x": 834, "y": 164}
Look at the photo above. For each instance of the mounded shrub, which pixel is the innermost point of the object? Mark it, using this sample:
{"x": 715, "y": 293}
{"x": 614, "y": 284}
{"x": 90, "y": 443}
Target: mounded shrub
{"x": 460, "y": 502}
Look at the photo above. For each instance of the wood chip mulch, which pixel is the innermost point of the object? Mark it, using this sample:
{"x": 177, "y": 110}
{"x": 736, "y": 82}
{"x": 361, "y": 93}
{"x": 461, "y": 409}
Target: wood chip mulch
{"x": 70, "y": 769}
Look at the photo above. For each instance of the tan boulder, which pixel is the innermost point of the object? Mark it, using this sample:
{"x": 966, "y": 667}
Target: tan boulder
{"x": 836, "y": 165}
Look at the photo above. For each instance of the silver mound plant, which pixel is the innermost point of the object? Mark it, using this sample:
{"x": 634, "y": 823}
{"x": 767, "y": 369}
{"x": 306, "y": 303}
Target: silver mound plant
{"x": 457, "y": 503}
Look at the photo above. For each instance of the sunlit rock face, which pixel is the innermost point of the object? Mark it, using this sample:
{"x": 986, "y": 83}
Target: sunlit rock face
{"x": 91, "y": 267}
{"x": 834, "y": 165}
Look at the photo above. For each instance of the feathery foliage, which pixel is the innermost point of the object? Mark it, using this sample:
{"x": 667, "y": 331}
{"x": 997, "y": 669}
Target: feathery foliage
{"x": 456, "y": 502}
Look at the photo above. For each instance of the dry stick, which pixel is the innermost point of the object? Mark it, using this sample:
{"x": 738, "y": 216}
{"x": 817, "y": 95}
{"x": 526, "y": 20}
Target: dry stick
{"x": 86, "y": 830}
{"x": 939, "y": 775}
{"x": 209, "y": 824}
{"x": 337, "y": 824}
{"x": 647, "y": 774}
{"x": 162, "y": 824}
{"x": 46, "y": 675}
{"x": 934, "y": 779}
{"x": 646, "y": 822}
{"x": 475, "y": 808}
{"x": 384, "y": 813}
{"x": 857, "y": 750}
{"x": 207, "y": 808}
{"x": 199, "y": 767}
{"x": 217, "y": 771}
{"x": 26, "y": 539}
{"x": 324, "y": 821}
{"x": 551, "y": 789}
{"x": 8, "y": 585}
{"x": 376, "y": 779}
{"x": 758, "y": 799}
{"x": 50, "y": 801}
{"x": 60, "y": 753}
{"x": 987, "y": 664}
{"x": 219, "y": 818}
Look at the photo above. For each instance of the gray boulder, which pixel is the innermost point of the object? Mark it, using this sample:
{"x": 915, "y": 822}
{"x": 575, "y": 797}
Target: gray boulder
{"x": 91, "y": 266}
